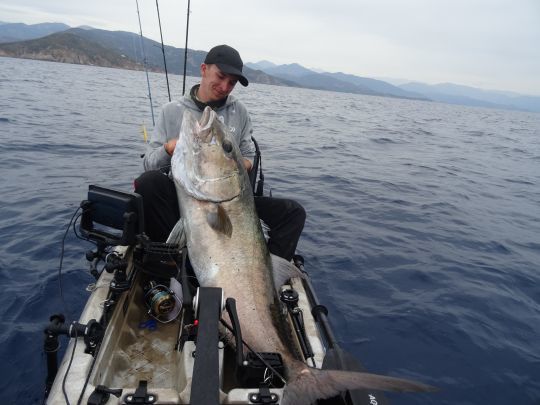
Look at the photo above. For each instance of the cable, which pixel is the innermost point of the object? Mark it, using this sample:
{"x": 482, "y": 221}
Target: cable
{"x": 62, "y": 261}
{"x": 77, "y": 234}
{"x": 98, "y": 347}
{"x": 68, "y": 367}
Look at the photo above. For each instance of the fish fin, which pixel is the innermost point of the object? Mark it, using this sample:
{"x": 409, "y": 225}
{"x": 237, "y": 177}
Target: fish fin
{"x": 219, "y": 221}
{"x": 177, "y": 234}
{"x": 283, "y": 270}
{"x": 307, "y": 384}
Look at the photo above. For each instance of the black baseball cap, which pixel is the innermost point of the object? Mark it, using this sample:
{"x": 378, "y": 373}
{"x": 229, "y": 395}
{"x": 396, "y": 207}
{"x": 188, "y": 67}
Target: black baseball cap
{"x": 228, "y": 60}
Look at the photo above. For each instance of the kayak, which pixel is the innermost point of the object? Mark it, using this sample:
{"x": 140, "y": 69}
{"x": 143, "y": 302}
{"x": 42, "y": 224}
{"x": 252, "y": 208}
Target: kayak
{"x": 149, "y": 334}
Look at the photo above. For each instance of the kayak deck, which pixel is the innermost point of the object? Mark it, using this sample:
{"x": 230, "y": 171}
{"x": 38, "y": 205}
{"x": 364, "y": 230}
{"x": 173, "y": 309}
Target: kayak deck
{"x": 132, "y": 352}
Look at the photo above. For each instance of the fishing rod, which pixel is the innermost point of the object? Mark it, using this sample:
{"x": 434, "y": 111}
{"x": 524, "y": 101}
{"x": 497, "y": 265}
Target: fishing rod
{"x": 186, "y": 48}
{"x": 163, "y": 51}
{"x": 145, "y": 64}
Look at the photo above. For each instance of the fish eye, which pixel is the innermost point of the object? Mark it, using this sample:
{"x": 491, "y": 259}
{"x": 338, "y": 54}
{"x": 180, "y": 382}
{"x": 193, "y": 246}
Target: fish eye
{"x": 227, "y": 146}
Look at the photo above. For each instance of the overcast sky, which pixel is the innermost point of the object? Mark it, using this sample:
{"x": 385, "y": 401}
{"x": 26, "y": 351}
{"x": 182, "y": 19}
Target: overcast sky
{"x": 491, "y": 44}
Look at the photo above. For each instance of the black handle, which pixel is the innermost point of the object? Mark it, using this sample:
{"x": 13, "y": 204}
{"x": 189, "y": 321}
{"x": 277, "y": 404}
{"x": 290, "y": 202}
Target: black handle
{"x": 230, "y": 306}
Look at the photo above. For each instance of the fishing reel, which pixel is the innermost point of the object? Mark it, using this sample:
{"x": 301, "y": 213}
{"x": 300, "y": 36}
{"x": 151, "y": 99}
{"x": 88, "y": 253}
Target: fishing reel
{"x": 163, "y": 303}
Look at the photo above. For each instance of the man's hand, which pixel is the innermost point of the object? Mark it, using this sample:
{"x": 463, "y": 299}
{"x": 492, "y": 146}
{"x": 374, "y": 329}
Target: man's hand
{"x": 169, "y": 146}
{"x": 247, "y": 164}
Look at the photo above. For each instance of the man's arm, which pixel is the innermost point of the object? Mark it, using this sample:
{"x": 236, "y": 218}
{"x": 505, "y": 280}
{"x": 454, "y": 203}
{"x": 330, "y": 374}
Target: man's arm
{"x": 246, "y": 145}
{"x": 163, "y": 139}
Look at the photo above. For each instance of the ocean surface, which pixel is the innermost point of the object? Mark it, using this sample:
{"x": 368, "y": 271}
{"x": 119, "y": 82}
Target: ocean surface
{"x": 422, "y": 236}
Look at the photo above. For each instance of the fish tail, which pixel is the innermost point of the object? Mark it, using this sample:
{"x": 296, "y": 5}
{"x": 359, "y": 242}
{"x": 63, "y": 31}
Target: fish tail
{"x": 305, "y": 384}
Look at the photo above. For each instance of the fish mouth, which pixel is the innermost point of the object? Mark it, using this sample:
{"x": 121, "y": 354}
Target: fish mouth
{"x": 206, "y": 116}
{"x": 211, "y": 180}
{"x": 203, "y": 127}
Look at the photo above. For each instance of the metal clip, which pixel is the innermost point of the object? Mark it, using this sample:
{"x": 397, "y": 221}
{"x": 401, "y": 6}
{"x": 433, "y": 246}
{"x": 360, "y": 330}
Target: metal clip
{"x": 264, "y": 396}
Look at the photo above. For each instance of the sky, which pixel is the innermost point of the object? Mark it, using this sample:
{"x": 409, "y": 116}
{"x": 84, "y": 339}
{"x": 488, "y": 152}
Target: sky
{"x": 489, "y": 44}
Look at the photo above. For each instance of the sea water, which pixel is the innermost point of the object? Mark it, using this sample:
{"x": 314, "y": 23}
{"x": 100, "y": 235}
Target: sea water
{"x": 422, "y": 235}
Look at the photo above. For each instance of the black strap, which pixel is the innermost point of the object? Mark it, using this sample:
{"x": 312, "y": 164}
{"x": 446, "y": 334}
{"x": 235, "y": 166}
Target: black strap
{"x": 141, "y": 395}
{"x": 205, "y": 385}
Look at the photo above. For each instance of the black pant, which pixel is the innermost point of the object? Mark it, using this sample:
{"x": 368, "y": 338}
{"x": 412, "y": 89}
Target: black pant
{"x": 284, "y": 217}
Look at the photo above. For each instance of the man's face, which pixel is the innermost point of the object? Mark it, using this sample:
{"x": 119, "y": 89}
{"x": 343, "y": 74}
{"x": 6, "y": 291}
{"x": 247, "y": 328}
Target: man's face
{"x": 215, "y": 85}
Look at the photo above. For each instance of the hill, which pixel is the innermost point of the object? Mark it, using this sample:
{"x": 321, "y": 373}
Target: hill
{"x": 261, "y": 65}
{"x": 378, "y": 86}
{"x": 126, "y": 50}
{"x": 120, "y": 49}
{"x": 464, "y": 95}
{"x": 340, "y": 82}
{"x": 129, "y": 44}
{"x": 116, "y": 49}
{"x": 67, "y": 47}
{"x": 12, "y": 32}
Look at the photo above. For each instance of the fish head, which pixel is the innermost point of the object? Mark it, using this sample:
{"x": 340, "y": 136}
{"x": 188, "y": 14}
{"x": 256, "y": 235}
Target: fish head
{"x": 206, "y": 162}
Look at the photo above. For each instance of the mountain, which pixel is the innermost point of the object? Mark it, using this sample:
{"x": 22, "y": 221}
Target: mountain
{"x": 378, "y": 86}
{"x": 508, "y": 99}
{"x": 67, "y": 47}
{"x": 465, "y": 95}
{"x": 116, "y": 49}
{"x": 340, "y": 82}
{"x": 261, "y": 65}
{"x": 289, "y": 71}
{"x": 129, "y": 44}
{"x": 119, "y": 49}
{"x": 323, "y": 82}
{"x": 12, "y": 32}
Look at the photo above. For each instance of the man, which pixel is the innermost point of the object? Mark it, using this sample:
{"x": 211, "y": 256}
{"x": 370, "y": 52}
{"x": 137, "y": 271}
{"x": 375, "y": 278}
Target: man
{"x": 221, "y": 70}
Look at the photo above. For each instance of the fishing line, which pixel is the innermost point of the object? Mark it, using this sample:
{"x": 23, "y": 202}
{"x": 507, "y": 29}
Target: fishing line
{"x": 145, "y": 68}
{"x": 186, "y": 49}
{"x": 163, "y": 51}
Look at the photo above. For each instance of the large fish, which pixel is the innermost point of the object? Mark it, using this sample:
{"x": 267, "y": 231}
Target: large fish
{"x": 227, "y": 249}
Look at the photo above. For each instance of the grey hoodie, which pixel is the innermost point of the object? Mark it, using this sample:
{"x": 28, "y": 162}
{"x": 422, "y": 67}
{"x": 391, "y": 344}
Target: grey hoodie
{"x": 234, "y": 114}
